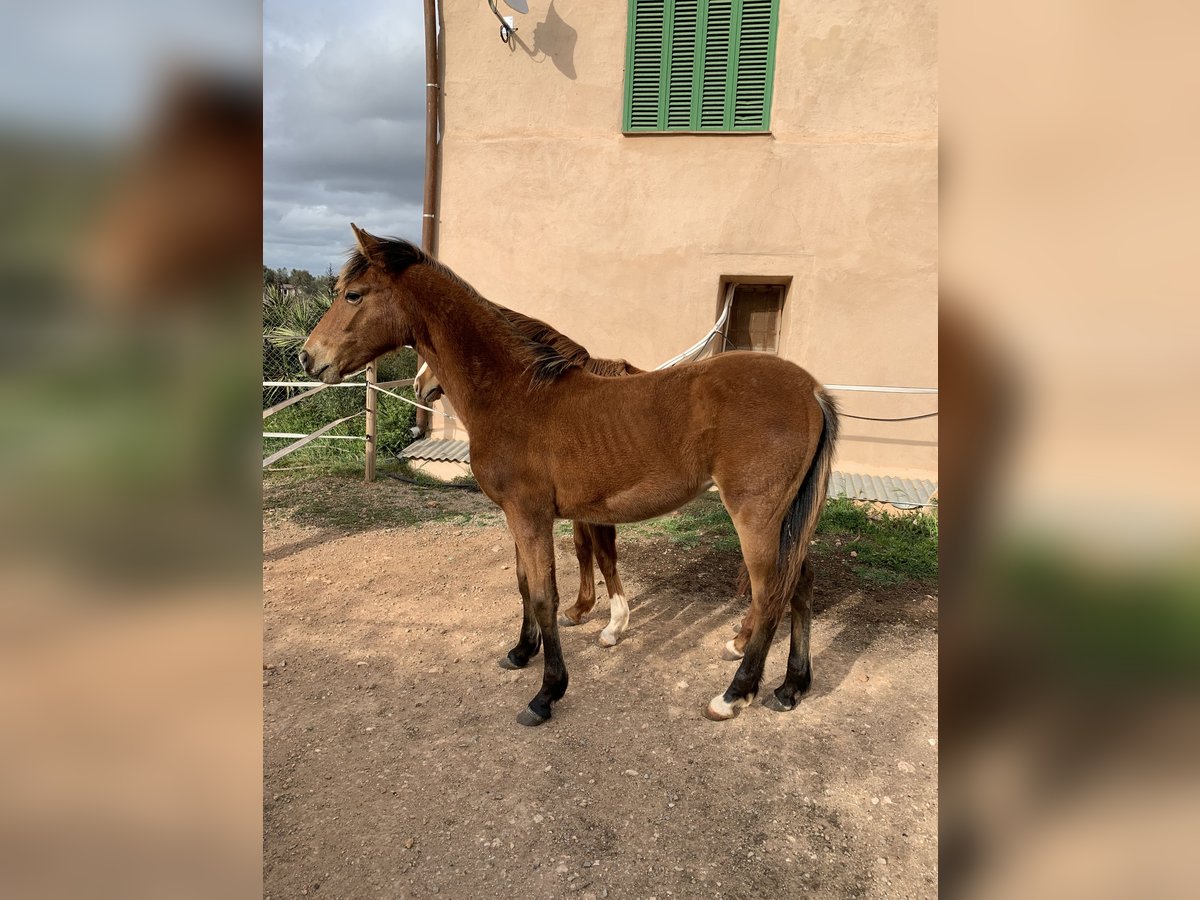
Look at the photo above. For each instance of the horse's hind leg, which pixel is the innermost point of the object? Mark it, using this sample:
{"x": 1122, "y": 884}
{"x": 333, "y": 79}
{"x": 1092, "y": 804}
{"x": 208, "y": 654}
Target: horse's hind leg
{"x": 799, "y": 668}
{"x": 530, "y": 640}
{"x": 585, "y": 540}
{"x": 618, "y": 607}
{"x": 760, "y": 549}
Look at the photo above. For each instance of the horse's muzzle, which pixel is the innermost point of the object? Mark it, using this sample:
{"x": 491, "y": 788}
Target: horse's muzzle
{"x": 325, "y": 373}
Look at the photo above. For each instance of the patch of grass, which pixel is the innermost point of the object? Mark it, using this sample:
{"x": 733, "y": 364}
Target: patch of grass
{"x": 888, "y": 548}
{"x": 393, "y": 466}
{"x": 401, "y": 468}
{"x": 326, "y": 503}
{"x": 704, "y": 520}
{"x": 341, "y": 500}
{"x": 881, "y": 549}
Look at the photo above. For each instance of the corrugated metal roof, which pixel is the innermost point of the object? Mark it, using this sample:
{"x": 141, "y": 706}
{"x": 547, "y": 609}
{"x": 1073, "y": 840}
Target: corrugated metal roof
{"x": 438, "y": 450}
{"x": 903, "y": 493}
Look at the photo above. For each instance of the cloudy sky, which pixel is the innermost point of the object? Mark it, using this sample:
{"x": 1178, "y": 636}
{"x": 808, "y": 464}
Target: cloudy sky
{"x": 343, "y": 126}
{"x": 94, "y": 70}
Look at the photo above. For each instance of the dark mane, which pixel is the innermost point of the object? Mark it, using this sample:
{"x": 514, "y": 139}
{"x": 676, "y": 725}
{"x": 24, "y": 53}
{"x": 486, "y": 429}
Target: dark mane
{"x": 609, "y": 368}
{"x": 571, "y": 353}
{"x": 550, "y": 352}
{"x": 398, "y": 255}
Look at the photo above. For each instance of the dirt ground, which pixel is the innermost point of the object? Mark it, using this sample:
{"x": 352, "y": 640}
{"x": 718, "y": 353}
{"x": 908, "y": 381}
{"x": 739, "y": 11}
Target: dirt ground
{"x": 394, "y": 766}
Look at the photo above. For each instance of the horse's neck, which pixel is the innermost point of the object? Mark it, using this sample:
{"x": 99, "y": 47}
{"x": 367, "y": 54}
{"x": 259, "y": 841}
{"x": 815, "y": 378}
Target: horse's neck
{"x": 468, "y": 345}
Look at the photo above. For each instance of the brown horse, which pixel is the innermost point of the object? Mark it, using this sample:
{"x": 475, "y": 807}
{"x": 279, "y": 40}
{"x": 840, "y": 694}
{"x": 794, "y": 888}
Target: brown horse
{"x": 593, "y": 542}
{"x": 551, "y": 440}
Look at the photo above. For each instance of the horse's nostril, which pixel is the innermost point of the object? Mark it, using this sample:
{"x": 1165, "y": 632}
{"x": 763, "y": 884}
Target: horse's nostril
{"x": 304, "y": 358}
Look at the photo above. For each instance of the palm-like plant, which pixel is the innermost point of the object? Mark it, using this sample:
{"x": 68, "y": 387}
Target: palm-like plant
{"x": 287, "y": 321}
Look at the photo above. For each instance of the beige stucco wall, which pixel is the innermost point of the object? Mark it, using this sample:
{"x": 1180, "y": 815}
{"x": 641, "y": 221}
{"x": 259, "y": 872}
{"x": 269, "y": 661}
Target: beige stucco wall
{"x": 621, "y": 241}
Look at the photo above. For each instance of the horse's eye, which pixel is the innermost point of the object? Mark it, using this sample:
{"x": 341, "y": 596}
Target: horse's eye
{"x": 353, "y": 296}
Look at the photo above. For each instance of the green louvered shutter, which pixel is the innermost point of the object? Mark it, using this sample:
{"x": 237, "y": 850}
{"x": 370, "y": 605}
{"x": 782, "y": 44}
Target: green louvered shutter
{"x": 644, "y": 68}
{"x": 700, "y": 65}
{"x": 681, "y": 61}
{"x": 714, "y": 88}
{"x": 755, "y": 55}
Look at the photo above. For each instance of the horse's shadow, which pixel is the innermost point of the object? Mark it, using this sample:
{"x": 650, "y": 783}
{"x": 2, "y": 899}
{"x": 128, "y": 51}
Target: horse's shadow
{"x": 667, "y": 623}
{"x": 283, "y": 551}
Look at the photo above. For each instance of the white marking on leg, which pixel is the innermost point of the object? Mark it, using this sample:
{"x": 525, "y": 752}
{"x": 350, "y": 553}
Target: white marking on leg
{"x": 719, "y": 709}
{"x": 618, "y": 621}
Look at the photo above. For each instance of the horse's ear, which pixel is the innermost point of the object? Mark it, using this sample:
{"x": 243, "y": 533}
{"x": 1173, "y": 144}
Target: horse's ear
{"x": 368, "y": 244}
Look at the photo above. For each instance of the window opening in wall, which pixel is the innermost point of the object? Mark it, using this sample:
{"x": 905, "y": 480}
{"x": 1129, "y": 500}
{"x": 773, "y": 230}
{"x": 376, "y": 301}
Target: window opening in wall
{"x": 754, "y": 317}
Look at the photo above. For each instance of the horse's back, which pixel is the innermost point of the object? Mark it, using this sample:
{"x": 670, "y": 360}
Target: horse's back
{"x": 728, "y": 390}
{"x": 754, "y": 364}
{"x": 757, "y": 404}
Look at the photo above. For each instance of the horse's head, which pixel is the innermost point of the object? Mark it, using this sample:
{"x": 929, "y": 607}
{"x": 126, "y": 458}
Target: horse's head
{"x": 369, "y": 315}
{"x": 426, "y": 386}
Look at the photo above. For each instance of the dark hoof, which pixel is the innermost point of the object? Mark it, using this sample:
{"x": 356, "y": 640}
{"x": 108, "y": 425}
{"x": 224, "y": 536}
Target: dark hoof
{"x": 787, "y": 696}
{"x": 513, "y": 663}
{"x": 530, "y": 719}
{"x": 785, "y": 703}
{"x": 730, "y": 652}
{"x": 567, "y": 622}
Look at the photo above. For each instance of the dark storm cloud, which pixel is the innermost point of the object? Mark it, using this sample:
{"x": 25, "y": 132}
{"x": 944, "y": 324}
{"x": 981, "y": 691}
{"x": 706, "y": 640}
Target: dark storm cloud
{"x": 343, "y": 126}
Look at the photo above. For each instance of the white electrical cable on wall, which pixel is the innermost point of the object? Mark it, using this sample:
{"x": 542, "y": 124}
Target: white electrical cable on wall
{"x": 697, "y": 348}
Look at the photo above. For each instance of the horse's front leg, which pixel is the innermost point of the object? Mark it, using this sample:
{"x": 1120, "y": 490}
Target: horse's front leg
{"x": 605, "y": 539}
{"x": 531, "y": 635}
{"x": 534, "y": 534}
{"x": 587, "y": 577}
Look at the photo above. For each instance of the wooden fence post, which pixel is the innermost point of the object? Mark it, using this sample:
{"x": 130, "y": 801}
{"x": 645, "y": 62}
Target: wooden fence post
{"x": 372, "y": 402}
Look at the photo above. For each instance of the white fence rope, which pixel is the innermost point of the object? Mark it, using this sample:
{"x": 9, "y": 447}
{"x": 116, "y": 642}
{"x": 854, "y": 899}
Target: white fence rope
{"x": 688, "y": 355}
{"x": 328, "y": 437}
{"x": 878, "y": 389}
{"x": 376, "y": 387}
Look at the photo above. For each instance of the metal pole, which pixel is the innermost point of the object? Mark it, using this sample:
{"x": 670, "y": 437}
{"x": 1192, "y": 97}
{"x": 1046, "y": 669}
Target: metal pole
{"x": 429, "y": 211}
{"x": 372, "y": 403}
{"x": 429, "y": 217}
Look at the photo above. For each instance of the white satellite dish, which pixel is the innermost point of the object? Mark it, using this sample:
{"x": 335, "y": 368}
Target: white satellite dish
{"x": 519, "y": 5}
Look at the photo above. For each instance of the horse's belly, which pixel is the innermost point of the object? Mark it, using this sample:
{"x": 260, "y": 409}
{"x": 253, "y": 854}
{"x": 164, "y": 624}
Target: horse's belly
{"x": 632, "y": 504}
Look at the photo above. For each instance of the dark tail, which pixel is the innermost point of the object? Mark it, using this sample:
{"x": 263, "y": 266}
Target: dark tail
{"x": 801, "y": 519}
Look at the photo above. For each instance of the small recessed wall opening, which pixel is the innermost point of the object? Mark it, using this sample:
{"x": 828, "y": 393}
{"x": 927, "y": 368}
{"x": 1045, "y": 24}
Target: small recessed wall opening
{"x": 756, "y": 314}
